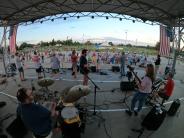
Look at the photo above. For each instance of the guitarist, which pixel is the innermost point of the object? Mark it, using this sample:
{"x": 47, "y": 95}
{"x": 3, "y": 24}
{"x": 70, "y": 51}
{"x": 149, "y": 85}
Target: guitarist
{"x": 144, "y": 89}
{"x": 84, "y": 66}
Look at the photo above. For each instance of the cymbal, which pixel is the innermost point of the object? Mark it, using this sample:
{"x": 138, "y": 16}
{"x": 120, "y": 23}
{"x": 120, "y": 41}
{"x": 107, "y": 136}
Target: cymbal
{"x": 45, "y": 82}
{"x": 73, "y": 94}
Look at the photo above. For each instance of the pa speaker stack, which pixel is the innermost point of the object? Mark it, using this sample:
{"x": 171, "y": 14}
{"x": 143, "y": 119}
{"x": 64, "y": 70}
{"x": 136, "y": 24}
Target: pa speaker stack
{"x": 115, "y": 69}
{"x": 93, "y": 68}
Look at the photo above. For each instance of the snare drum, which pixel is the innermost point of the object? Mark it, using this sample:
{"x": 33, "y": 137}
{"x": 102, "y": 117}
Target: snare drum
{"x": 70, "y": 115}
{"x": 71, "y": 122}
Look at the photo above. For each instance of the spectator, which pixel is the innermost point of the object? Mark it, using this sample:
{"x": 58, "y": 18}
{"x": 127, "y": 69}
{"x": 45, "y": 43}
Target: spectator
{"x": 38, "y": 66}
{"x": 55, "y": 64}
{"x": 157, "y": 64}
{"x": 19, "y": 65}
{"x": 122, "y": 60}
{"x": 74, "y": 63}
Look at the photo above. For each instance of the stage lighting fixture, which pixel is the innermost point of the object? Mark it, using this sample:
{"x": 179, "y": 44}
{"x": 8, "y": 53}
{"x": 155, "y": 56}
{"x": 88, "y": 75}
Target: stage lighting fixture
{"x": 107, "y": 17}
{"x": 133, "y": 21}
{"x": 41, "y": 22}
{"x": 92, "y": 17}
{"x": 78, "y": 17}
{"x": 52, "y": 20}
{"x": 120, "y": 19}
{"x": 64, "y": 18}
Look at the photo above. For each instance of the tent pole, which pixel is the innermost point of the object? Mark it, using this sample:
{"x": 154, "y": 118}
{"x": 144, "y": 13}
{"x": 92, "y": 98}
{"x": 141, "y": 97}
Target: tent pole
{"x": 176, "y": 50}
{"x": 3, "y": 50}
{"x": 173, "y": 43}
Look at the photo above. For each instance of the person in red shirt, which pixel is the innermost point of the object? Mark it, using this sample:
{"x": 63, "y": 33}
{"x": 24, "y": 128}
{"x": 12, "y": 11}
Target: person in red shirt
{"x": 167, "y": 91}
{"x": 74, "y": 59}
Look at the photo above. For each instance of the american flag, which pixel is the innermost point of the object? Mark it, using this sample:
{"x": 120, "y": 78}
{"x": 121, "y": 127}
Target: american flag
{"x": 12, "y": 38}
{"x": 164, "y": 41}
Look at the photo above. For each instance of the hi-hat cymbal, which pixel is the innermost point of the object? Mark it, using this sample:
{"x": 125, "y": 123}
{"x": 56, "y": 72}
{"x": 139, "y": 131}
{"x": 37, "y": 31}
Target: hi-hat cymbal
{"x": 45, "y": 82}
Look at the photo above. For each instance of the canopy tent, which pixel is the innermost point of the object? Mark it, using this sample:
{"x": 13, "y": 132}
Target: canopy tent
{"x": 167, "y": 12}
{"x": 20, "y": 11}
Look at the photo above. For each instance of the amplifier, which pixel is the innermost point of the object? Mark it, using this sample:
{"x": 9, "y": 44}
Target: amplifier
{"x": 93, "y": 68}
{"x": 115, "y": 69}
{"x": 127, "y": 85}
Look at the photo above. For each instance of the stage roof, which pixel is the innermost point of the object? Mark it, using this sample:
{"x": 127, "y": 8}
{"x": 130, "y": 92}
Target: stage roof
{"x": 21, "y": 11}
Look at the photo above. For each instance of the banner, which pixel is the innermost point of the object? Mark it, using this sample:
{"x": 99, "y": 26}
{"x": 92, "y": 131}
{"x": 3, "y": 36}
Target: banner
{"x": 164, "y": 41}
{"x": 12, "y": 38}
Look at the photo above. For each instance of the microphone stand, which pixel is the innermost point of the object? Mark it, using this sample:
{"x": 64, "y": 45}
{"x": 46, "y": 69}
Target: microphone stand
{"x": 95, "y": 88}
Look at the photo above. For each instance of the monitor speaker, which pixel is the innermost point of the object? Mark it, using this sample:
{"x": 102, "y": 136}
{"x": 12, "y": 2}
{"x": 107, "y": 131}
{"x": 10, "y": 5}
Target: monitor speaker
{"x": 115, "y": 69}
{"x": 93, "y": 68}
{"x": 127, "y": 85}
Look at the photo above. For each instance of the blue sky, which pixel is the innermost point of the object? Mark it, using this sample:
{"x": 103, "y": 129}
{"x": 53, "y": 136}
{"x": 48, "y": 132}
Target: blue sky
{"x": 87, "y": 28}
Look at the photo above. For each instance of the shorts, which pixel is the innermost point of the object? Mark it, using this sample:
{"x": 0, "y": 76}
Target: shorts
{"x": 84, "y": 71}
{"x": 74, "y": 65}
{"x": 21, "y": 69}
{"x": 55, "y": 71}
{"x": 39, "y": 70}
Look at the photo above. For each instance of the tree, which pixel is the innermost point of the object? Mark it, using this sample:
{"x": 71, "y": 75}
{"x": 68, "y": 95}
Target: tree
{"x": 157, "y": 46}
{"x": 25, "y": 45}
{"x": 53, "y": 43}
{"x": 110, "y": 43}
{"x": 88, "y": 42}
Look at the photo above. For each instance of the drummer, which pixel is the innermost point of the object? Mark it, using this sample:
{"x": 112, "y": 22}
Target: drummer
{"x": 36, "y": 117}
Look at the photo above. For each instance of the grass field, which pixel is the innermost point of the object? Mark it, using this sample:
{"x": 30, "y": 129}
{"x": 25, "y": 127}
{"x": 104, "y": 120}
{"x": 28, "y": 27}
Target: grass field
{"x": 133, "y": 49}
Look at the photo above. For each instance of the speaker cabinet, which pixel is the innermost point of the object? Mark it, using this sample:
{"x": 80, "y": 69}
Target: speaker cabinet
{"x": 93, "y": 68}
{"x": 115, "y": 69}
{"x": 127, "y": 86}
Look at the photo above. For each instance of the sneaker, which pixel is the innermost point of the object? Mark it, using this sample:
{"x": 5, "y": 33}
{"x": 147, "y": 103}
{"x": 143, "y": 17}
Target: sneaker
{"x": 128, "y": 112}
{"x": 136, "y": 113}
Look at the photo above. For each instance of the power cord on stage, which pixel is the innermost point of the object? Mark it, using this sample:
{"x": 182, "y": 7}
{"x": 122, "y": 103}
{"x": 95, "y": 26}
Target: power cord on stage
{"x": 105, "y": 128}
{"x": 101, "y": 120}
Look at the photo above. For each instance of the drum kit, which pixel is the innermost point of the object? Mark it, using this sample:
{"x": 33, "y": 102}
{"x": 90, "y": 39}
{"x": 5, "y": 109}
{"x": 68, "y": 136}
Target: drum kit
{"x": 74, "y": 116}
{"x": 44, "y": 93}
